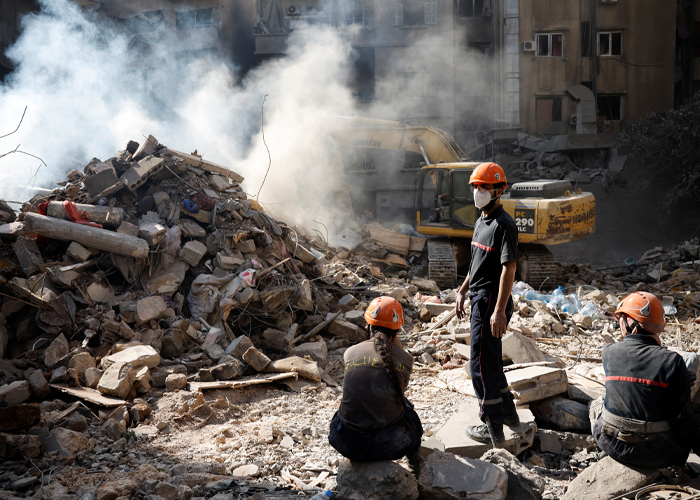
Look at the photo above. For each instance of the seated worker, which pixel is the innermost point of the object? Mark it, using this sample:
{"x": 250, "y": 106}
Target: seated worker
{"x": 375, "y": 421}
{"x": 646, "y": 419}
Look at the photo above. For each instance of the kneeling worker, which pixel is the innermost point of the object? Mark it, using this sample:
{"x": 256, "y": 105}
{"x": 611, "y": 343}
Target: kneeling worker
{"x": 375, "y": 421}
{"x": 646, "y": 419}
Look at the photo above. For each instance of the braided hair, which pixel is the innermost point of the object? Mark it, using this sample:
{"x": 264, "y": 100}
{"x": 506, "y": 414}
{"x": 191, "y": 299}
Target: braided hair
{"x": 383, "y": 338}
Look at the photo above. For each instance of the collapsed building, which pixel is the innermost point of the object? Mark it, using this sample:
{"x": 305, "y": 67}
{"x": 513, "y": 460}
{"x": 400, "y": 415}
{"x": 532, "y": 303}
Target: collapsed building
{"x": 163, "y": 337}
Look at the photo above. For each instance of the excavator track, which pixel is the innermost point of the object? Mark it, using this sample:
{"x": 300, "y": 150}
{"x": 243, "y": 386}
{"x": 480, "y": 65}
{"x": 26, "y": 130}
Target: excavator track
{"x": 536, "y": 266}
{"x": 442, "y": 266}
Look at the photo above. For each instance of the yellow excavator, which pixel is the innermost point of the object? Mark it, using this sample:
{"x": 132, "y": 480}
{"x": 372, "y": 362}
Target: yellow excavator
{"x": 546, "y": 212}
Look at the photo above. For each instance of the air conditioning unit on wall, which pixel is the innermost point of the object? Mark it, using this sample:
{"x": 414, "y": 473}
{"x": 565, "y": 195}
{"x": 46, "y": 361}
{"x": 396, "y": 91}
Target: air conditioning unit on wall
{"x": 294, "y": 10}
{"x": 529, "y": 46}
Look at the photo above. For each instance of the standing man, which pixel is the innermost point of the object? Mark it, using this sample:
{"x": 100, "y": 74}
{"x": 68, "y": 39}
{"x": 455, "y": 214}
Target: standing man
{"x": 489, "y": 283}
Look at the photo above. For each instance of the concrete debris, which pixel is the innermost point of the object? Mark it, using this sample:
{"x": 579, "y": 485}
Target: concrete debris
{"x": 523, "y": 483}
{"x": 375, "y": 481}
{"x": 608, "y": 479}
{"x": 445, "y": 476}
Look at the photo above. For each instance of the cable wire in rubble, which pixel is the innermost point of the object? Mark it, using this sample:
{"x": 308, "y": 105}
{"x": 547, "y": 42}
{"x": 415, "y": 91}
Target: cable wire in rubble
{"x": 262, "y": 128}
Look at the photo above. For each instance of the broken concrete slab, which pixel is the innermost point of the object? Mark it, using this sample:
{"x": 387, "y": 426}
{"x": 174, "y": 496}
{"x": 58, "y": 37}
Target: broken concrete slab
{"x": 18, "y": 446}
{"x": 438, "y": 309}
{"x": 117, "y": 380}
{"x": 228, "y": 370}
{"x": 15, "y": 393}
{"x": 167, "y": 281}
{"x": 608, "y": 479}
{"x": 99, "y": 293}
{"x": 520, "y": 349}
{"x": 150, "y": 308}
{"x": 146, "y": 148}
{"x": 275, "y": 296}
{"x": 40, "y": 386}
{"x": 81, "y": 362}
{"x": 159, "y": 374}
{"x": 348, "y": 331}
{"x": 445, "y": 476}
{"x": 245, "y": 246}
{"x": 57, "y": 350}
{"x": 564, "y": 413}
{"x": 375, "y": 481}
{"x": 536, "y": 382}
{"x": 92, "y": 377}
{"x": 304, "y": 367}
{"x": 175, "y": 381}
{"x": 206, "y": 165}
{"x": 523, "y": 483}
{"x": 192, "y": 252}
{"x": 138, "y": 174}
{"x": 317, "y": 351}
{"x": 136, "y": 356}
{"x": 191, "y": 229}
{"x": 67, "y": 443}
{"x": 583, "y": 390}
{"x": 567, "y": 440}
{"x": 103, "y": 183}
{"x": 239, "y": 346}
{"x": 256, "y": 359}
{"x": 78, "y": 252}
{"x": 152, "y": 233}
{"x": 28, "y": 254}
{"x": 454, "y": 438}
{"x": 142, "y": 380}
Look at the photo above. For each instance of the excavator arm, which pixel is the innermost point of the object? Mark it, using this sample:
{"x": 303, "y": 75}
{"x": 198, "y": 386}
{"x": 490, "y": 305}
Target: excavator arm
{"x": 433, "y": 144}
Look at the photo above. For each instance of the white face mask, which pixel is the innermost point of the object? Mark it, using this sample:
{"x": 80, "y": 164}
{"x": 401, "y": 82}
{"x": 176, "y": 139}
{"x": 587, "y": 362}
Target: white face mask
{"x": 481, "y": 198}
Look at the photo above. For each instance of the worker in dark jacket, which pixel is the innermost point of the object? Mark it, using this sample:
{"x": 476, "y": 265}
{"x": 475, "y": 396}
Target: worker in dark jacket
{"x": 375, "y": 421}
{"x": 489, "y": 283}
{"x": 646, "y": 419}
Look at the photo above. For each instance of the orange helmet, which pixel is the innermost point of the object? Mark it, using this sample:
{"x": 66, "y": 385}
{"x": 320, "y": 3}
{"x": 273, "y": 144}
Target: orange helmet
{"x": 644, "y": 308}
{"x": 385, "y": 311}
{"x": 488, "y": 173}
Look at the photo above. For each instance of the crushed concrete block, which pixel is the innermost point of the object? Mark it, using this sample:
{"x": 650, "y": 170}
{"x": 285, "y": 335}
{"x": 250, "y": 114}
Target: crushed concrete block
{"x": 15, "y": 393}
{"x": 191, "y": 229}
{"x": 67, "y": 443}
{"x": 99, "y": 293}
{"x": 192, "y": 252}
{"x": 149, "y": 309}
{"x": 214, "y": 351}
{"x": 256, "y": 359}
{"x": 304, "y": 367}
{"x": 228, "y": 262}
{"x": 19, "y": 446}
{"x": 142, "y": 380}
{"x": 447, "y": 476}
{"x": 228, "y": 370}
{"x": 159, "y": 374}
{"x": 454, "y": 438}
{"x": 147, "y": 147}
{"x": 167, "y": 281}
{"x": 317, "y": 351}
{"x": 128, "y": 228}
{"x": 239, "y": 346}
{"x": 520, "y": 349}
{"x": 305, "y": 300}
{"x": 138, "y": 174}
{"x": 536, "y": 382}
{"x": 564, "y": 413}
{"x": 57, "y": 350}
{"x": 428, "y": 286}
{"x": 385, "y": 480}
{"x": 136, "y": 356}
{"x": 582, "y": 320}
{"x": 571, "y": 441}
{"x": 78, "y": 252}
{"x": 19, "y": 416}
{"x": 245, "y": 246}
{"x": 549, "y": 442}
{"x": 103, "y": 183}
{"x": 92, "y": 377}
{"x": 175, "y": 381}
{"x": 438, "y": 309}
{"x": 40, "y": 387}
{"x": 608, "y": 479}
{"x": 28, "y": 254}
{"x": 173, "y": 344}
{"x": 139, "y": 412}
{"x": 117, "y": 380}
{"x": 63, "y": 375}
{"x": 347, "y": 330}
{"x": 523, "y": 483}
{"x": 299, "y": 251}
{"x": 219, "y": 183}
{"x": 348, "y": 300}
{"x": 81, "y": 362}
{"x": 152, "y": 233}
{"x": 274, "y": 296}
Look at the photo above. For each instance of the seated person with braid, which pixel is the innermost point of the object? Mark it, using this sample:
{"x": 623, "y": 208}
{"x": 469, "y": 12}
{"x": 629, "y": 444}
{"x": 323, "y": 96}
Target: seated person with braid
{"x": 375, "y": 421}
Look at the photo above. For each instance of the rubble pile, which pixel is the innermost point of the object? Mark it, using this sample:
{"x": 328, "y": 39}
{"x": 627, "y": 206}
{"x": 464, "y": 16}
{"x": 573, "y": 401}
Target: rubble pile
{"x": 161, "y": 336}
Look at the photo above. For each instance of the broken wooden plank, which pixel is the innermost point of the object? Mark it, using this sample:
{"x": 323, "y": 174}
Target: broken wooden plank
{"x": 89, "y": 236}
{"x": 90, "y": 395}
{"x": 395, "y": 242}
{"x": 242, "y": 382}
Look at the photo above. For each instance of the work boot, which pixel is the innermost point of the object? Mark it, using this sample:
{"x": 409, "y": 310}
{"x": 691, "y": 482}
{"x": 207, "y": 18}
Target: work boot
{"x": 512, "y": 419}
{"x": 480, "y": 433}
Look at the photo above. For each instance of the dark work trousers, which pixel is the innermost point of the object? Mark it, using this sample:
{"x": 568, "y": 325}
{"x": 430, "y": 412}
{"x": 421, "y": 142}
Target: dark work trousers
{"x": 389, "y": 443}
{"x": 486, "y": 365}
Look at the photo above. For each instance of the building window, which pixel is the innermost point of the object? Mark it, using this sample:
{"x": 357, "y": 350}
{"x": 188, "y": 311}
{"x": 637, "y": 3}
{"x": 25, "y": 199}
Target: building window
{"x": 548, "y": 109}
{"x": 469, "y": 8}
{"x": 348, "y": 12}
{"x": 610, "y": 44}
{"x": 417, "y": 84}
{"x": 549, "y": 45}
{"x": 609, "y": 107}
{"x": 415, "y": 13}
{"x": 142, "y": 22}
{"x": 191, "y": 19}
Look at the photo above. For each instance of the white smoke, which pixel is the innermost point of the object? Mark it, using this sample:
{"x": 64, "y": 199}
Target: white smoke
{"x": 83, "y": 86}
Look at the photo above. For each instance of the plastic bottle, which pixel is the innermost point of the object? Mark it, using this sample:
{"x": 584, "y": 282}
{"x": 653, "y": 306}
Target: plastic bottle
{"x": 324, "y": 495}
{"x": 558, "y": 292}
{"x": 589, "y": 309}
{"x": 573, "y": 298}
{"x": 569, "y": 308}
{"x": 531, "y": 295}
{"x": 670, "y": 310}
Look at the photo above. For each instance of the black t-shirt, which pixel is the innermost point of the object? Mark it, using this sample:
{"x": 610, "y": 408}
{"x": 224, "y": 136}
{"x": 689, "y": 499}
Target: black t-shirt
{"x": 494, "y": 243}
{"x": 371, "y": 400}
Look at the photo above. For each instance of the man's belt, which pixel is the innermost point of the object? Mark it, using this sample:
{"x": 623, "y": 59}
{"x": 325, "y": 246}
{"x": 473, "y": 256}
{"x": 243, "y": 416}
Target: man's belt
{"x": 632, "y": 425}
